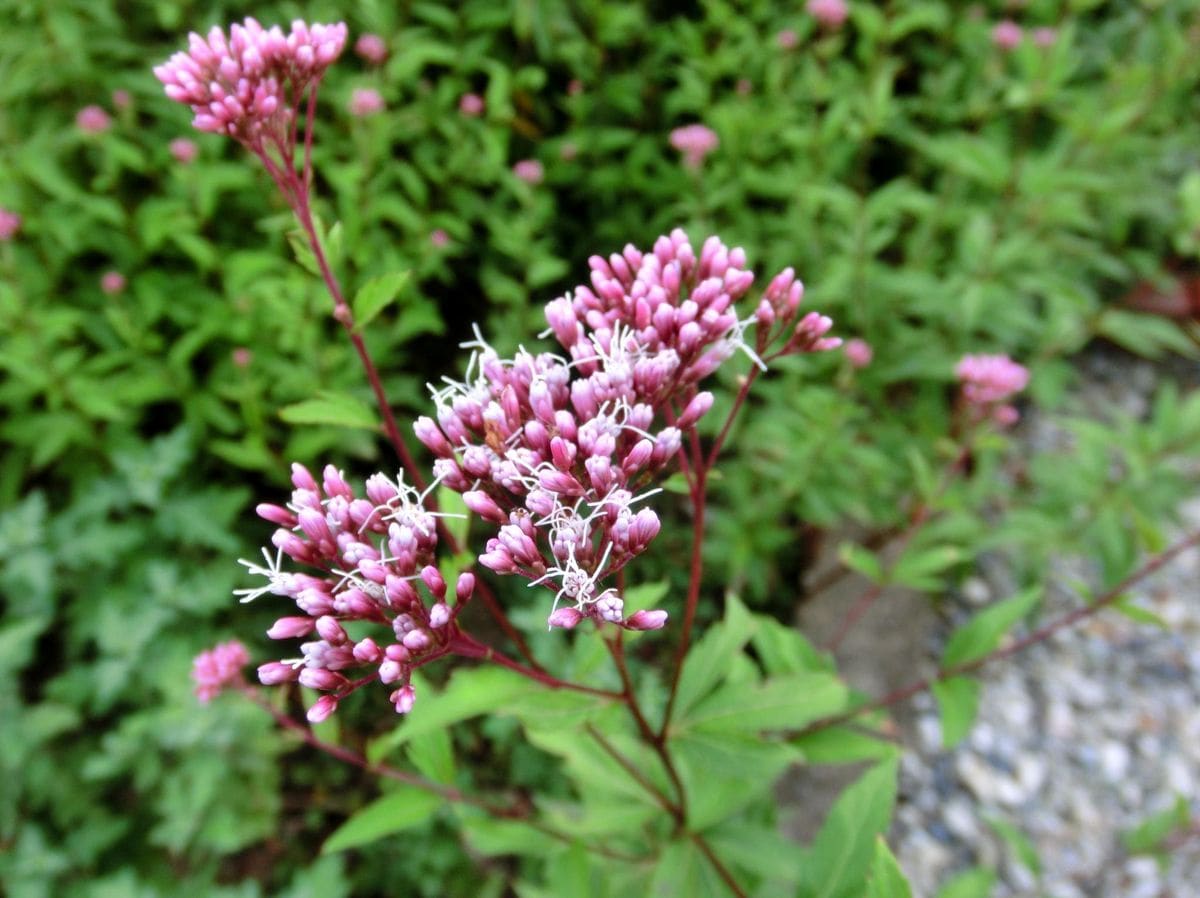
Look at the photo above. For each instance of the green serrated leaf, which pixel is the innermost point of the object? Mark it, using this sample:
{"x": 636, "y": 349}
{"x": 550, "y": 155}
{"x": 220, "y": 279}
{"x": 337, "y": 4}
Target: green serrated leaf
{"x": 982, "y": 634}
{"x": 976, "y": 883}
{"x": 331, "y": 409}
{"x": 403, "y": 809}
{"x": 1147, "y": 837}
{"x": 1139, "y": 614}
{"x": 709, "y": 658}
{"x": 861, "y": 559}
{"x": 837, "y": 864}
{"x": 376, "y": 295}
{"x": 887, "y": 879}
{"x": 958, "y": 703}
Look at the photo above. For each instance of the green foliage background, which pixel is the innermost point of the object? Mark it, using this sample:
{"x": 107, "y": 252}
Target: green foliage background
{"x": 937, "y": 195}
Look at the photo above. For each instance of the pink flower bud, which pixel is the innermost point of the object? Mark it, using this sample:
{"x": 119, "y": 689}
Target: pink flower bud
{"x": 365, "y": 101}
{"x": 291, "y": 627}
{"x": 331, "y": 631}
{"x": 432, "y": 578}
{"x": 323, "y": 709}
{"x": 321, "y": 678}
{"x": 183, "y": 150}
{"x": 567, "y": 618}
{"x": 275, "y": 672}
{"x": 367, "y": 651}
{"x": 696, "y": 409}
{"x": 417, "y": 640}
{"x": 403, "y": 698}
{"x": 646, "y": 620}
{"x": 10, "y": 223}
{"x": 464, "y": 587}
{"x": 484, "y": 506}
{"x": 830, "y": 13}
{"x": 276, "y": 514}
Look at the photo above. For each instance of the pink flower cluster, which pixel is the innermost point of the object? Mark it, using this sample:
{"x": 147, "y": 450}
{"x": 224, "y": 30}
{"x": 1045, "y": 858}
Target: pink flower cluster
{"x": 372, "y": 555}
{"x": 93, "y": 120}
{"x": 695, "y": 142}
{"x": 557, "y": 453}
{"x": 830, "y": 13}
{"x": 372, "y": 48}
{"x": 530, "y": 171}
{"x": 218, "y": 668}
{"x": 365, "y": 101}
{"x": 988, "y": 381}
{"x": 471, "y": 105}
{"x": 10, "y": 223}
{"x": 246, "y": 84}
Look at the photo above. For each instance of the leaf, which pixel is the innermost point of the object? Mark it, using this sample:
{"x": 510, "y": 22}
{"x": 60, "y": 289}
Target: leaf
{"x": 457, "y": 520}
{"x": 1018, "y": 842}
{"x": 683, "y": 872}
{"x": 723, "y": 773}
{"x": 784, "y": 650}
{"x": 333, "y": 409}
{"x": 402, "y": 809}
{"x": 861, "y": 559}
{"x": 976, "y": 883}
{"x": 432, "y": 754}
{"x": 781, "y": 703}
{"x": 922, "y": 568}
{"x": 710, "y": 658}
{"x": 1138, "y": 614}
{"x": 982, "y": 633}
{"x": 1149, "y": 336}
{"x": 958, "y": 703}
{"x": 470, "y": 692}
{"x": 843, "y": 745}
{"x": 837, "y": 864}
{"x": 887, "y": 879}
{"x": 376, "y": 295}
{"x": 1147, "y": 837}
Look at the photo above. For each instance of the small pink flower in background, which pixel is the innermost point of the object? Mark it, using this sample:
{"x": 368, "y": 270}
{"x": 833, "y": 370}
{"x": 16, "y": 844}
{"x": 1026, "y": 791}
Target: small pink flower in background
{"x": 242, "y": 357}
{"x": 574, "y": 87}
{"x": 183, "y": 150}
{"x": 1007, "y": 35}
{"x": 112, "y": 282}
{"x": 858, "y": 352}
{"x": 10, "y": 223}
{"x": 830, "y": 13}
{"x": 471, "y": 105}
{"x": 365, "y": 101}
{"x": 695, "y": 142}
{"x": 1044, "y": 37}
{"x": 219, "y": 667}
{"x": 530, "y": 171}
{"x": 439, "y": 238}
{"x": 988, "y": 381}
{"x": 372, "y": 48}
{"x": 787, "y": 39}
{"x": 568, "y": 152}
{"x": 93, "y": 120}
{"x": 121, "y": 99}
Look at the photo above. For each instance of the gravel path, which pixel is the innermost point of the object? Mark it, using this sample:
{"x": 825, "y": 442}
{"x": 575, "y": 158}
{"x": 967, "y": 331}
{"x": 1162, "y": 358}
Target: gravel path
{"x": 1078, "y": 740}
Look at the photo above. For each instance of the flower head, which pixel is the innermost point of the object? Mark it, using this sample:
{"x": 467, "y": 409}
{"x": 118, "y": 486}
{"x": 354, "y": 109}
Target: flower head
{"x": 1006, "y": 35}
{"x": 858, "y": 352}
{"x": 93, "y": 120}
{"x": 988, "y": 381}
{"x": 183, "y": 150}
{"x": 218, "y": 668}
{"x": 372, "y": 48}
{"x": 830, "y": 13}
{"x": 247, "y": 83}
{"x": 1044, "y": 37}
{"x": 439, "y": 238}
{"x": 471, "y": 105}
{"x": 10, "y": 223}
{"x": 112, "y": 282}
{"x": 365, "y": 101}
{"x": 787, "y": 39}
{"x": 121, "y": 99}
{"x": 695, "y": 142}
{"x": 530, "y": 171}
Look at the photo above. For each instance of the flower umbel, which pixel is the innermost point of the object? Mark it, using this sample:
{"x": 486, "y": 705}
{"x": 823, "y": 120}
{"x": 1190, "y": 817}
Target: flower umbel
{"x": 218, "y": 668}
